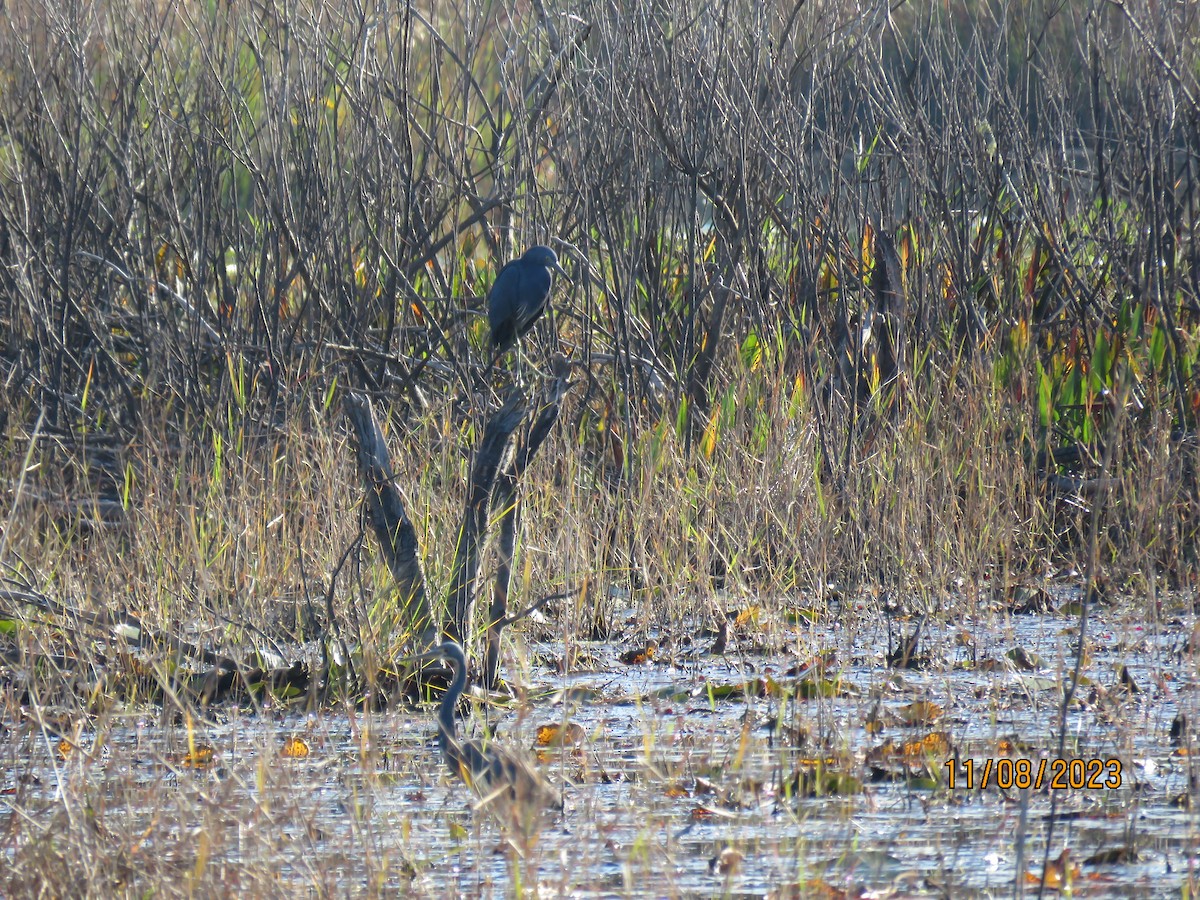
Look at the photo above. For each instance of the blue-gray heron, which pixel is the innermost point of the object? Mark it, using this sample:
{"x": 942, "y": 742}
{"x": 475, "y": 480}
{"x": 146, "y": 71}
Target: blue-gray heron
{"x": 519, "y": 295}
{"x": 507, "y": 786}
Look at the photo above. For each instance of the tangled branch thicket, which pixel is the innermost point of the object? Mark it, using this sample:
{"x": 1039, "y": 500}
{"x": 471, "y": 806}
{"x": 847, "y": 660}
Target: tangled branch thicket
{"x": 853, "y": 286}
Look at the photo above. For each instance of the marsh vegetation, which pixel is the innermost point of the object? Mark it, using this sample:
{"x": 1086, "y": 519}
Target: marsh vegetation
{"x": 880, "y": 388}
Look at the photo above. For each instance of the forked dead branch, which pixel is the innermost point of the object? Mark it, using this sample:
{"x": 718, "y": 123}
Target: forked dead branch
{"x": 495, "y": 474}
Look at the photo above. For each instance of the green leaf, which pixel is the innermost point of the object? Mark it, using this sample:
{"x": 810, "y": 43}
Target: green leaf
{"x": 1045, "y": 400}
{"x": 1101, "y": 363}
{"x": 751, "y": 352}
{"x": 1158, "y": 346}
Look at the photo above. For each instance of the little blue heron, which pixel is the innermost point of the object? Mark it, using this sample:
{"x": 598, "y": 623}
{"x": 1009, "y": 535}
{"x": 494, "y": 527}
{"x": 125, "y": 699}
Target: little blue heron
{"x": 519, "y": 295}
{"x": 507, "y": 786}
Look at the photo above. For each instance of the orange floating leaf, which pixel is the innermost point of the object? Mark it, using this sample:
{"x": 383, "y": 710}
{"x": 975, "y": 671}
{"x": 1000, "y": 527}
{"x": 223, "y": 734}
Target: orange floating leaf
{"x": 934, "y": 744}
{"x": 295, "y": 748}
{"x": 560, "y": 735}
{"x": 748, "y": 616}
{"x": 199, "y": 757}
{"x": 639, "y": 655}
{"x": 1060, "y": 873}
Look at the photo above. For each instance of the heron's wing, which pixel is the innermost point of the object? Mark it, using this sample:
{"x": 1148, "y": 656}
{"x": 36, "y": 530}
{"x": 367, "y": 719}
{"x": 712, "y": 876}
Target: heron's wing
{"x": 534, "y": 292}
{"x": 502, "y": 303}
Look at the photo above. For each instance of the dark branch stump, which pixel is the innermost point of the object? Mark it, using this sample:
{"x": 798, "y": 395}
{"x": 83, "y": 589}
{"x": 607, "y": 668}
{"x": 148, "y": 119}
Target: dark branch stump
{"x": 483, "y": 475}
{"x": 393, "y": 529}
{"x": 504, "y": 499}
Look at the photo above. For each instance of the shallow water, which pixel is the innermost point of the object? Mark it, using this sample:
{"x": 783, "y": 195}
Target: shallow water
{"x": 666, "y": 778}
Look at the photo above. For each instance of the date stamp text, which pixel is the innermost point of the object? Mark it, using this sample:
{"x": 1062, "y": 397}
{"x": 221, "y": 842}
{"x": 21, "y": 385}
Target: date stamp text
{"x": 1022, "y": 773}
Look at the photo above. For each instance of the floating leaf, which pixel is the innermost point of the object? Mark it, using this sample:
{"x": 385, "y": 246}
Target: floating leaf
{"x": 1009, "y": 747}
{"x": 921, "y": 712}
{"x": 295, "y": 748}
{"x": 640, "y": 655}
{"x": 564, "y": 735}
{"x": 802, "y": 616}
{"x": 727, "y": 691}
{"x": 199, "y": 757}
{"x": 814, "y": 688}
{"x": 934, "y": 744}
{"x": 916, "y": 762}
{"x": 1059, "y": 874}
{"x": 1037, "y": 683}
{"x": 1023, "y": 659}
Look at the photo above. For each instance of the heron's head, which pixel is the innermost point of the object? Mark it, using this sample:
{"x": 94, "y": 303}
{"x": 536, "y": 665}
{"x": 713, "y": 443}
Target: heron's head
{"x": 448, "y": 650}
{"x": 540, "y": 255}
{"x": 451, "y": 651}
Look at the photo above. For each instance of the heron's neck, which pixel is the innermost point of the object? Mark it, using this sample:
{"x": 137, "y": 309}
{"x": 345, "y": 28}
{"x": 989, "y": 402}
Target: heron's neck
{"x": 447, "y": 735}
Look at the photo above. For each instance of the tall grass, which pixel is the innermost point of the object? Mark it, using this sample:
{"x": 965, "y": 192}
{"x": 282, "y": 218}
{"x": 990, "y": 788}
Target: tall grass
{"x": 949, "y": 232}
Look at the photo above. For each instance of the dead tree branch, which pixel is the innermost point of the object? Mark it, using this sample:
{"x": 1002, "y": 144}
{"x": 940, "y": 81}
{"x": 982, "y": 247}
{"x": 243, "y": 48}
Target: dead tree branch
{"x": 393, "y": 528}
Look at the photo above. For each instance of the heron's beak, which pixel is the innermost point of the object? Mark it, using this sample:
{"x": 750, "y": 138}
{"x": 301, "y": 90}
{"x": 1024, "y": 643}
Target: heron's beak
{"x": 561, "y": 271}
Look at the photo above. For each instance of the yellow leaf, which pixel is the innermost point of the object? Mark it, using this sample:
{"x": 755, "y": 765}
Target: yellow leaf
{"x": 295, "y": 748}
{"x": 748, "y": 616}
{"x": 708, "y": 443}
{"x": 199, "y": 757}
{"x": 560, "y": 735}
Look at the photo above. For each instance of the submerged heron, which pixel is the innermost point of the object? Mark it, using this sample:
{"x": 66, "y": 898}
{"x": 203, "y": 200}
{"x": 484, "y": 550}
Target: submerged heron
{"x": 507, "y": 786}
{"x": 519, "y": 295}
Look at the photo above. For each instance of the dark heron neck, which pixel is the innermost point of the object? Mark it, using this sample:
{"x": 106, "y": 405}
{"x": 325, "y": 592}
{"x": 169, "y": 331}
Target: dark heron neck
{"x": 447, "y": 734}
